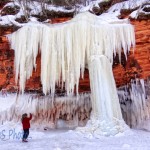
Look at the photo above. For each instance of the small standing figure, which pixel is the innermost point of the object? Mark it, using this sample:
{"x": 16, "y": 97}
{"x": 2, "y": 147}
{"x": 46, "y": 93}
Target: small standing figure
{"x": 26, "y": 125}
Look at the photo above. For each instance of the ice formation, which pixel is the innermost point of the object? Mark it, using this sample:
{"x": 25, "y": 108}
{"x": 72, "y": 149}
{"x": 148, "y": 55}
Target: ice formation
{"x": 135, "y": 102}
{"x": 65, "y": 51}
{"x": 106, "y": 118}
{"x": 52, "y": 112}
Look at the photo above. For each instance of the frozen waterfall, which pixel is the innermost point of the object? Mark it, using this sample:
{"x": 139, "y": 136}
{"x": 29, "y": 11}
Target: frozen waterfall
{"x": 106, "y": 118}
{"x": 65, "y": 51}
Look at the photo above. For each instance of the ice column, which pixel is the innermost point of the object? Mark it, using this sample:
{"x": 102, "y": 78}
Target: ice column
{"x": 106, "y": 118}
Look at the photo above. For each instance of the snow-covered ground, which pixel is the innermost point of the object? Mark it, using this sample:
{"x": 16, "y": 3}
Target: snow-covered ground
{"x": 63, "y": 139}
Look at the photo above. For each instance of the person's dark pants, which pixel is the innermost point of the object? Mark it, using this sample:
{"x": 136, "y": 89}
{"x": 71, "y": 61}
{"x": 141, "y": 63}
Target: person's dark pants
{"x": 25, "y": 134}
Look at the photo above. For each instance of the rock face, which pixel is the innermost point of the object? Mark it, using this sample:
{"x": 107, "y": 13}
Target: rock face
{"x": 137, "y": 65}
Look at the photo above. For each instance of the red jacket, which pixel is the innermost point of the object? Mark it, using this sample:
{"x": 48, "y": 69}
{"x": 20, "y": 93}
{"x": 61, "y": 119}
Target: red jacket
{"x": 26, "y": 122}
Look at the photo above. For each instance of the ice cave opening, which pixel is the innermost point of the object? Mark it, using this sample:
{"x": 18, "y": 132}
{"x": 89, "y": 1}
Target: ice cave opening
{"x": 66, "y": 49}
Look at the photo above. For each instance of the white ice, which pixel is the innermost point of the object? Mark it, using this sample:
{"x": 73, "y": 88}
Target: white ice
{"x": 61, "y": 111}
{"x": 106, "y": 118}
{"x": 65, "y": 48}
{"x": 135, "y": 103}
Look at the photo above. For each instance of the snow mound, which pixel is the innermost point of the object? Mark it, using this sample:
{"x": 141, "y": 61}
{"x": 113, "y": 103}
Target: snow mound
{"x": 142, "y": 13}
{"x": 128, "y": 5}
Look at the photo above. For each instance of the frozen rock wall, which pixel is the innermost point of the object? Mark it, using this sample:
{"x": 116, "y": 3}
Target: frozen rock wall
{"x": 135, "y": 102}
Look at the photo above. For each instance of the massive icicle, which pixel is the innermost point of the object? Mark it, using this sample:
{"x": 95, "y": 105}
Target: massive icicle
{"x": 66, "y": 48}
{"x": 25, "y": 43}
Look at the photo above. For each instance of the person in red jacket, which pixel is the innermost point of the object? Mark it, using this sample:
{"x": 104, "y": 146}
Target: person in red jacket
{"x": 26, "y": 126}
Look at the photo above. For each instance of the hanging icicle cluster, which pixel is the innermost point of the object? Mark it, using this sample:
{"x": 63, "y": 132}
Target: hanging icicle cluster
{"x": 47, "y": 110}
{"x": 135, "y": 102}
{"x": 65, "y": 49}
